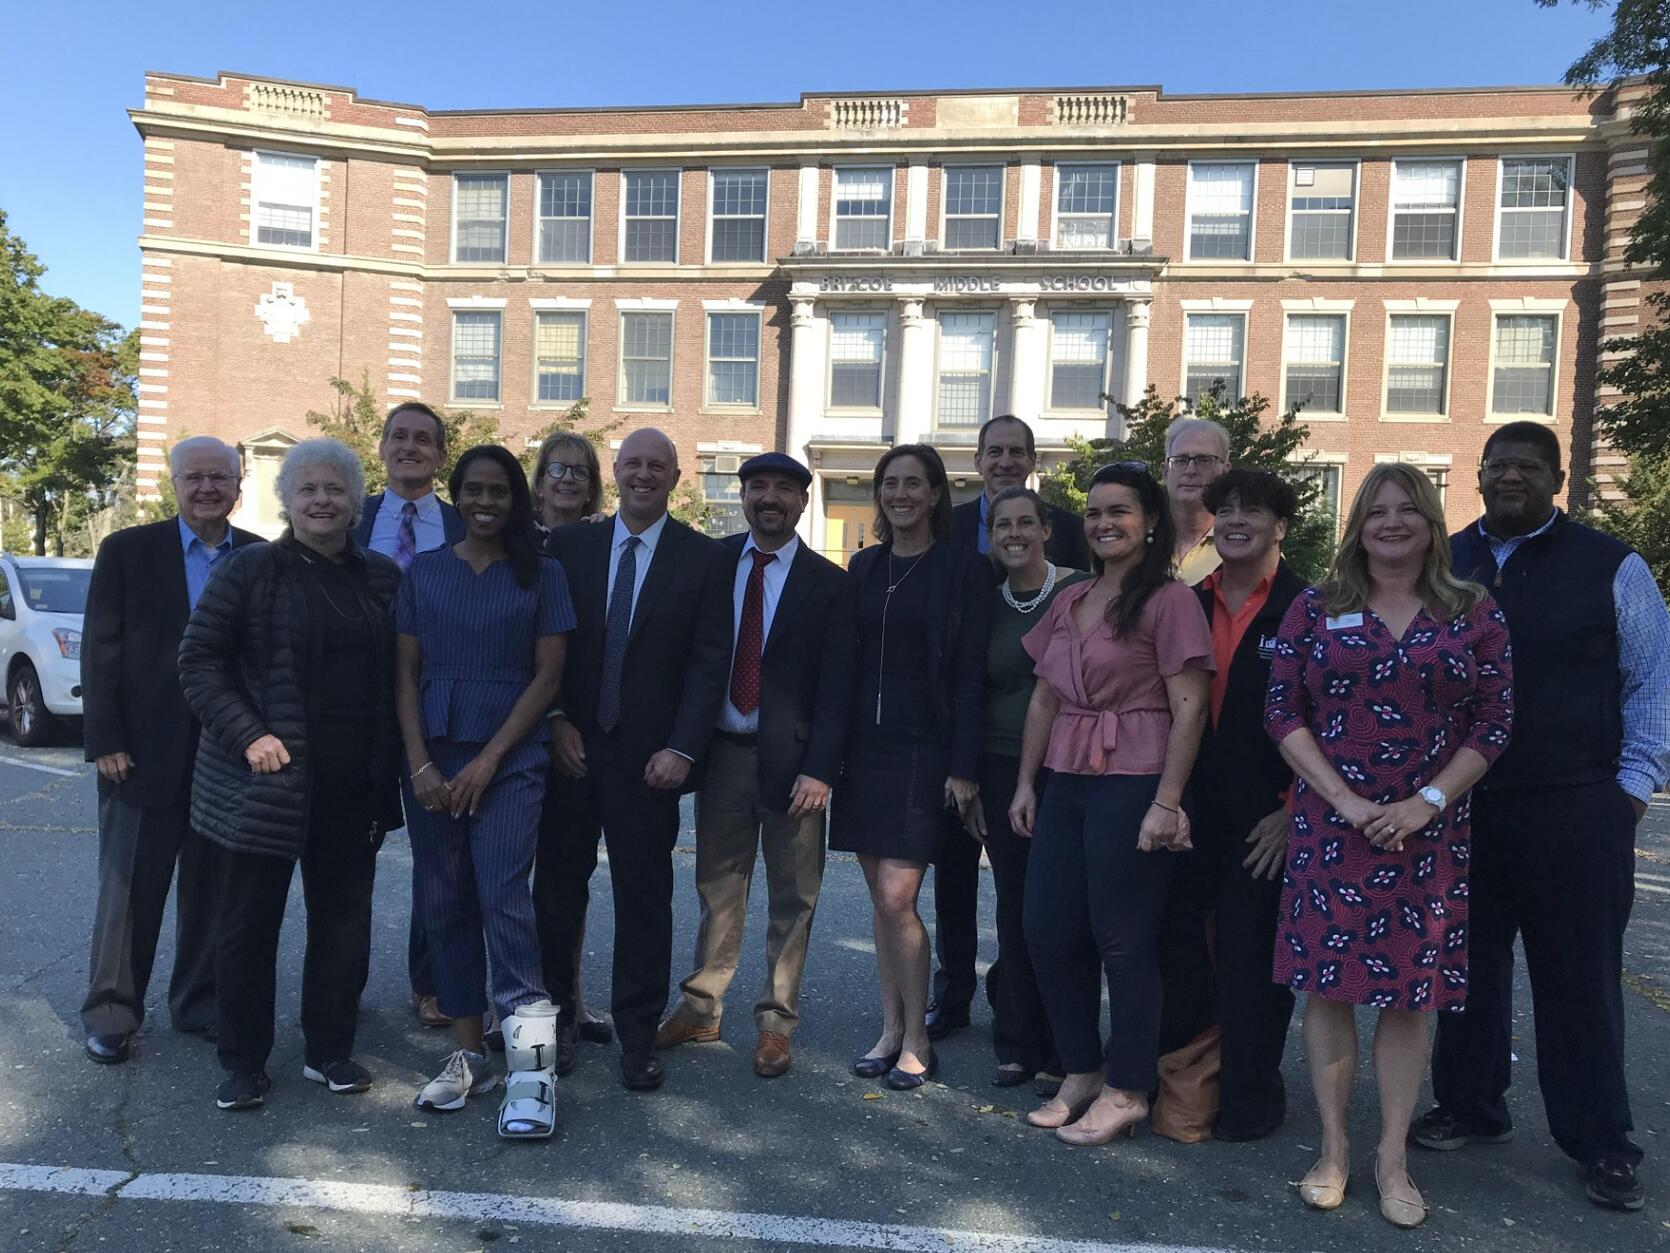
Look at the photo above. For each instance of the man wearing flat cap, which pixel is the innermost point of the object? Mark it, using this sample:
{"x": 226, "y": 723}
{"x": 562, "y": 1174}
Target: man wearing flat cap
{"x": 775, "y": 752}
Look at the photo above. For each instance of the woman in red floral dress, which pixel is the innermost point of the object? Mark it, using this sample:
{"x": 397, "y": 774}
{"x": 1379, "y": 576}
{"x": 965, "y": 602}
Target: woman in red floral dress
{"x": 1390, "y": 696}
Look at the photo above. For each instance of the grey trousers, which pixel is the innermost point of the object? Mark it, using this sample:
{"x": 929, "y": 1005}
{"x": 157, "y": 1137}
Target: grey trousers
{"x": 139, "y": 847}
{"x": 732, "y": 828}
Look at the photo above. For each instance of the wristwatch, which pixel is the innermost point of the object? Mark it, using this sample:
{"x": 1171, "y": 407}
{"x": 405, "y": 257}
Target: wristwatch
{"x": 1435, "y": 797}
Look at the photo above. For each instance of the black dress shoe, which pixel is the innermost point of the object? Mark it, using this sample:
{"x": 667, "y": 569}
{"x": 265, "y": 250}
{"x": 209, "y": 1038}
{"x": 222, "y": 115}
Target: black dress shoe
{"x": 942, "y": 1020}
{"x": 906, "y": 1080}
{"x": 641, "y": 1070}
{"x": 568, "y": 1053}
{"x": 875, "y": 1067}
{"x": 1613, "y": 1184}
{"x": 208, "y": 1031}
{"x": 108, "y": 1050}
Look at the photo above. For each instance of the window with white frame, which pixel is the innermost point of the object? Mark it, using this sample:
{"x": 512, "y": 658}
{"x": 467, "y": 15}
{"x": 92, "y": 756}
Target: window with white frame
{"x": 1322, "y": 203}
{"x": 965, "y": 368}
{"x": 1086, "y": 206}
{"x": 722, "y": 493}
{"x": 1314, "y": 352}
{"x": 1417, "y": 361}
{"x": 1326, "y": 476}
{"x": 863, "y": 209}
{"x": 1220, "y": 210}
{"x": 1524, "y": 370}
{"x": 973, "y": 206}
{"x": 480, "y": 214}
{"x": 1426, "y": 199}
{"x": 733, "y": 358}
{"x": 476, "y": 342}
{"x": 739, "y": 215}
{"x": 285, "y": 191}
{"x": 1213, "y": 345}
{"x": 565, "y": 218}
{"x": 559, "y": 357}
{"x": 1535, "y": 200}
{"x": 651, "y": 226}
{"x": 856, "y": 341}
{"x": 1078, "y": 359}
{"x": 646, "y": 358}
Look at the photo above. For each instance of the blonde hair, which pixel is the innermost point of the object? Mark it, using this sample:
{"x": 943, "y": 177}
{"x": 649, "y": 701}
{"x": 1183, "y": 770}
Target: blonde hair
{"x": 1348, "y": 584}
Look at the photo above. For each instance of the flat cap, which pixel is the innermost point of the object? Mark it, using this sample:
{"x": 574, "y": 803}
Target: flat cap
{"x": 775, "y": 463}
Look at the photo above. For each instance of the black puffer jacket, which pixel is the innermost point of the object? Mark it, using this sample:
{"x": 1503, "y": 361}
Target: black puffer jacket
{"x": 244, "y": 664}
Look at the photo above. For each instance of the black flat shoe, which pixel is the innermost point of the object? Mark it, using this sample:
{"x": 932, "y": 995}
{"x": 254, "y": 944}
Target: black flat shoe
{"x": 596, "y": 1031}
{"x": 1004, "y": 1077}
{"x": 942, "y": 1020}
{"x": 1612, "y": 1184}
{"x": 875, "y": 1067}
{"x": 641, "y": 1071}
{"x": 908, "y": 1081}
{"x": 109, "y": 1050}
{"x": 1046, "y": 1085}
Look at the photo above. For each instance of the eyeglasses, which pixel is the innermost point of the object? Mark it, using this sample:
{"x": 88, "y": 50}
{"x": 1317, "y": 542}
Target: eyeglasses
{"x": 557, "y": 470}
{"x": 1135, "y": 467}
{"x": 206, "y": 480}
{"x": 1183, "y": 461}
{"x": 1496, "y": 467}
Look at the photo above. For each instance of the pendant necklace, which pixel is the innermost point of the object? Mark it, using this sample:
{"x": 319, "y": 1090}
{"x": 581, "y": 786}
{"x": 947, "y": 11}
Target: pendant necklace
{"x": 892, "y": 586}
{"x": 1027, "y": 606}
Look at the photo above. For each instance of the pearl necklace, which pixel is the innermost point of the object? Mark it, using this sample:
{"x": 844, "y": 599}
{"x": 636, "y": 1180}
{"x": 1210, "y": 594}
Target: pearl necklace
{"x": 1043, "y": 594}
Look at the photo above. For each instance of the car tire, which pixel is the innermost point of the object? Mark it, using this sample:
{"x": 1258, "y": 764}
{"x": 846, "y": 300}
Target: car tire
{"x": 32, "y": 724}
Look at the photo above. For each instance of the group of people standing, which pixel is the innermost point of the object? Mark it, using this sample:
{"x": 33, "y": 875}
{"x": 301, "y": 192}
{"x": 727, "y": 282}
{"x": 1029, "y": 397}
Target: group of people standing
{"x": 1194, "y": 778}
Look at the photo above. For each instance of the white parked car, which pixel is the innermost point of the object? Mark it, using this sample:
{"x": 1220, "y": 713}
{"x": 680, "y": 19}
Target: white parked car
{"x": 41, "y": 603}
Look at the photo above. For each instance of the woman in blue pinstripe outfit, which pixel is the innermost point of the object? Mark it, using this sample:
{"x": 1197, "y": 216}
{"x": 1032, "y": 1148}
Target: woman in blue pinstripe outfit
{"x": 481, "y": 629}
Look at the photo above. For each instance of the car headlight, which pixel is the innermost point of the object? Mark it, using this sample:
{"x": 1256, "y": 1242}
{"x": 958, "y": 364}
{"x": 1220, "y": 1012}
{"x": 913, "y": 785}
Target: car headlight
{"x": 69, "y": 642}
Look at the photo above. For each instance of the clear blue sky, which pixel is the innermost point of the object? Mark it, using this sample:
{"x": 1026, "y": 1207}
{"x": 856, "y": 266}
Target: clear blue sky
{"x": 70, "y": 159}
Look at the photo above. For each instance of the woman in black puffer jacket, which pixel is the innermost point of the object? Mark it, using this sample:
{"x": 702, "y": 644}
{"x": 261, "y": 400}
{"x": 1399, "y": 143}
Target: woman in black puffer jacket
{"x": 288, "y": 662}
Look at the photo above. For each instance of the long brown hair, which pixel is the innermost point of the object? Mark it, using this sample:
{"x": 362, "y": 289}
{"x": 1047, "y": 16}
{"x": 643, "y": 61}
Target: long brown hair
{"x": 934, "y": 466}
{"x": 1348, "y": 584}
{"x": 571, "y": 441}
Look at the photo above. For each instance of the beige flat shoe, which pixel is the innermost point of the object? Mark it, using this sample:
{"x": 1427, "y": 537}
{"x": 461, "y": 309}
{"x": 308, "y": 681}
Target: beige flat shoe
{"x": 1396, "y": 1210}
{"x": 1322, "y": 1196}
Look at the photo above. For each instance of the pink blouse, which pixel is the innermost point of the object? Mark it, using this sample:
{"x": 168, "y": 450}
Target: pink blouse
{"x": 1114, "y": 716}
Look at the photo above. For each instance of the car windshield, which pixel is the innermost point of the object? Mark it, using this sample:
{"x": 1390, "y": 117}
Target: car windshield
{"x": 55, "y": 589}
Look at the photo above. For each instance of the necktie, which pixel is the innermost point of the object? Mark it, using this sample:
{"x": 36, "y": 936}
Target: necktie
{"x": 750, "y": 639}
{"x": 616, "y": 629}
{"x": 405, "y": 539}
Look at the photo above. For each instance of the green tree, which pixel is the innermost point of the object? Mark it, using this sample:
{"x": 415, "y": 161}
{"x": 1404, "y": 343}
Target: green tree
{"x": 1641, "y": 517}
{"x": 357, "y": 420}
{"x": 1255, "y": 443}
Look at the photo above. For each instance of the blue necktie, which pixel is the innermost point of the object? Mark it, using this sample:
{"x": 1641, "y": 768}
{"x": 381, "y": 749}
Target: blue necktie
{"x": 614, "y": 636}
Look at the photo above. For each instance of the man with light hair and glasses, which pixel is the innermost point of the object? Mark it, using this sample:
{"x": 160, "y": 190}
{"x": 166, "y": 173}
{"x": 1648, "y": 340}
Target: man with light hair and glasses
{"x": 1553, "y": 853}
{"x": 1197, "y": 451}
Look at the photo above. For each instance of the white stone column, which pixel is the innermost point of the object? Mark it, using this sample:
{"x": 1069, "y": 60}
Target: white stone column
{"x": 1026, "y": 360}
{"x": 806, "y": 209}
{"x": 806, "y": 352}
{"x": 1136, "y": 360}
{"x": 914, "y": 414}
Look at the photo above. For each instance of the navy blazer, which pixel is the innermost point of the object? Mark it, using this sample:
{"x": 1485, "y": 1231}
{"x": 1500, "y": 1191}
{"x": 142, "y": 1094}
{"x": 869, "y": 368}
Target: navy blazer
{"x": 452, "y": 526}
{"x": 1066, "y": 547}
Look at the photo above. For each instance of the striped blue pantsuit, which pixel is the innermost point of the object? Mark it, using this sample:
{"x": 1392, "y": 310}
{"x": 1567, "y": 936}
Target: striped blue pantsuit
{"x": 472, "y": 884}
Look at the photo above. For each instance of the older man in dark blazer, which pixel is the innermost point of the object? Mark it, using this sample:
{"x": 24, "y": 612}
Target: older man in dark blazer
{"x": 139, "y": 732}
{"x": 776, "y": 751}
{"x": 646, "y": 673}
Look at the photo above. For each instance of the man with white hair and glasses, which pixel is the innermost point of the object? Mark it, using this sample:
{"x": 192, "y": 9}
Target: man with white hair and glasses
{"x": 1197, "y": 451}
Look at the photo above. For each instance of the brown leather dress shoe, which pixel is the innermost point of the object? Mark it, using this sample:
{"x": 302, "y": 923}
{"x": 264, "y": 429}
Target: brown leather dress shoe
{"x": 429, "y": 1012}
{"x": 771, "y": 1055}
{"x": 675, "y": 1031}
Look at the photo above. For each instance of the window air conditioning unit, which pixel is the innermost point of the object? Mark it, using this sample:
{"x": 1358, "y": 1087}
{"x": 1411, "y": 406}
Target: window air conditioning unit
{"x": 821, "y": 248}
{"x": 1025, "y": 247}
{"x": 912, "y": 248}
{"x": 803, "y": 247}
{"x": 727, "y": 463}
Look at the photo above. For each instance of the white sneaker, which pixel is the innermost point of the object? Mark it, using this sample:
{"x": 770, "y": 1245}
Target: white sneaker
{"x": 462, "y": 1074}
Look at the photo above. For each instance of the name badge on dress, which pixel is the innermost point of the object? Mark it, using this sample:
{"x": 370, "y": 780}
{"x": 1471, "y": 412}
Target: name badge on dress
{"x": 1266, "y": 646}
{"x": 1345, "y": 622}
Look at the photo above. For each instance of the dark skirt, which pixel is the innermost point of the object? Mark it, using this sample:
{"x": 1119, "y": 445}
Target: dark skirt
{"x": 890, "y": 801}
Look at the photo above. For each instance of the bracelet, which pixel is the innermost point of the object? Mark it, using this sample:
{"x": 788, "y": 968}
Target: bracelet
{"x": 425, "y": 766}
{"x": 1167, "y": 808}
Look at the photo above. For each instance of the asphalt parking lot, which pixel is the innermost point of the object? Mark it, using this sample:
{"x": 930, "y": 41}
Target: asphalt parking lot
{"x": 138, "y": 1158}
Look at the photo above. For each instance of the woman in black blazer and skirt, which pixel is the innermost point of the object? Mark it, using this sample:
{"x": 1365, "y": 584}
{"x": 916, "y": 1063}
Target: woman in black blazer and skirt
{"x": 924, "y": 610}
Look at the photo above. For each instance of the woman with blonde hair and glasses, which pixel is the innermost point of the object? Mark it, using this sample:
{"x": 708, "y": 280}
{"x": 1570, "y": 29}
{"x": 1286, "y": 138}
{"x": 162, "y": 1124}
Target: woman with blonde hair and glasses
{"x": 567, "y": 480}
{"x": 1390, "y": 695}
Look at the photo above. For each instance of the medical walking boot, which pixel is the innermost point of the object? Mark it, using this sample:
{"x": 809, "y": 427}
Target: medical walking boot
{"x": 528, "y": 1111}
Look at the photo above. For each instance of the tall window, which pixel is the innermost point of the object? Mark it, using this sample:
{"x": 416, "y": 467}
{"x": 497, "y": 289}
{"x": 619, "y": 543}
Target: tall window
{"x": 1086, "y": 201}
{"x": 1220, "y": 210}
{"x": 480, "y": 208}
{"x": 733, "y": 358}
{"x": 1212, "y": 345}
{"x": 1417, "y": 359}
{"x": 559, "y": 357}
{"x": 856, "y": 341}
{"x": 1315, "y": 354}
{"x": 1078, "y": 359}
{"x": 646, "y": 358}
{"x": 863, "y": 209}
{"x": 1327, "y": 476}
{"x": 722, "y": 491}
{"x": 565, "y": 218}
{"x": 1322, "y": 199}
{"x": 285, "y": 192}
{"x": 965, "y": 368}
{"x": 1524, "y": 378}
{"x": 651, "y": 232}
{"x": 1425, "y": 200}
{"x": 1536, "y": 196}
{"x": 973, "y": 206}
{"x": 739, "y": 215}
{"x": 475, "y": 355}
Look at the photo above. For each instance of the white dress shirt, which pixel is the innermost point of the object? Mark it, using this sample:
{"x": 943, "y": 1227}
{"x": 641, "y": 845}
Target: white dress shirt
{"x": 427, "y": 527}
{"x": 776, "y": 574}
{"x": 648, "y": 538}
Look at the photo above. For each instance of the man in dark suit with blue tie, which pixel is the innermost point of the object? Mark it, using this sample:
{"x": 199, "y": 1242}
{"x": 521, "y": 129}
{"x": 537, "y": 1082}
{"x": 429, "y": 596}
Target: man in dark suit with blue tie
{"x": 776, "y": 751}
{"x": 646, "y": 673}
{"x": 408, "y": 519}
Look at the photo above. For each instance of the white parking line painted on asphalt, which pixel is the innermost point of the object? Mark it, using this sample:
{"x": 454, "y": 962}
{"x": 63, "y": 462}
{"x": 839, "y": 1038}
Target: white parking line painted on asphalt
{"x": 398, "y": 1202}
{"x": 35, "y": 765}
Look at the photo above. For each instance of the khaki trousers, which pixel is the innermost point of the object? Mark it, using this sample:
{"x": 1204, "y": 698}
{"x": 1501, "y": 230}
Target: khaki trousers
{"x": 732, "y": 827}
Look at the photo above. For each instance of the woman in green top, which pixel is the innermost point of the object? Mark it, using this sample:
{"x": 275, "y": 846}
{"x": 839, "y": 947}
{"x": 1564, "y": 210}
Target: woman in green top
{"x": 1017, "y": 528}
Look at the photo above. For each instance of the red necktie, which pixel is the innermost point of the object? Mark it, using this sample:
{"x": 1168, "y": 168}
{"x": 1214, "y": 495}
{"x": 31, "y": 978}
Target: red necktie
{"x": 750, "y": 639}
